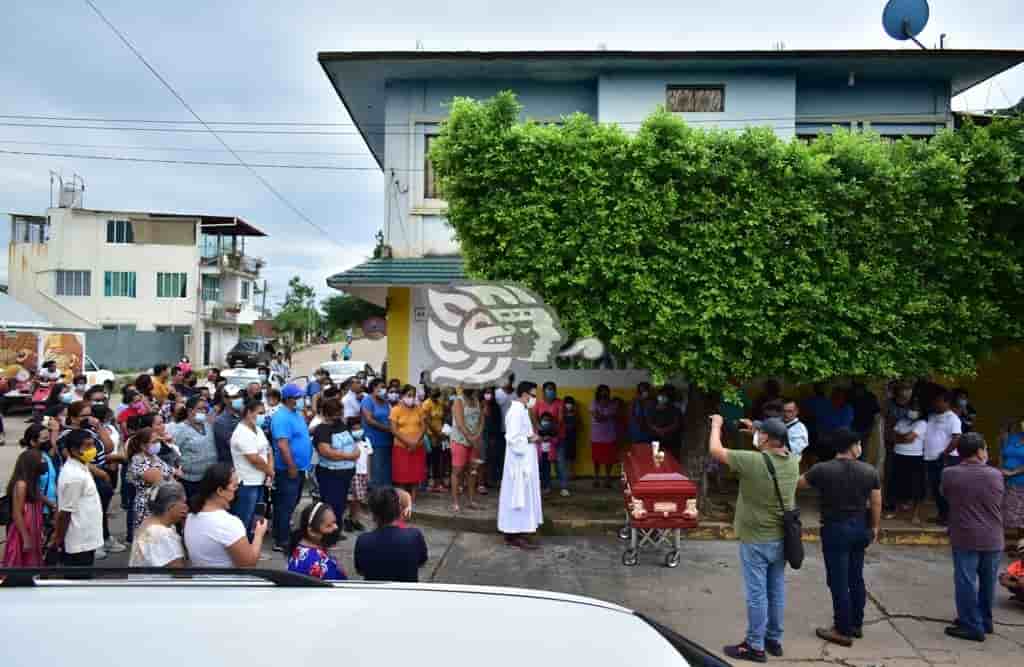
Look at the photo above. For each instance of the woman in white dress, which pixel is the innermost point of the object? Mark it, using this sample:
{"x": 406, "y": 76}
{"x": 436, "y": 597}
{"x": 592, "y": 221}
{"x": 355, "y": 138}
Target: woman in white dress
{"x": 157, "y": 543}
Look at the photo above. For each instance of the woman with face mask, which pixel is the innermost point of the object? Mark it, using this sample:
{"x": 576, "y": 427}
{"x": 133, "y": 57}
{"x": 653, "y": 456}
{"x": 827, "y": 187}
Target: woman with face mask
{"x": 909, "y": 476}
{"x": 254, "y": 461}
{"x": 376, "y": 414}
{"x": 157, "y": 542}
{"x": 466, "y": 439}
{"x": 146, "y": 471}
{"x": 196, "y": 444}
{"x": 42, "y": 438}
{"x": 213, "y": 536}
{"x": 24, "y": 546}
{"x": 409, "y": 457}
{"x": 318, "y": 532}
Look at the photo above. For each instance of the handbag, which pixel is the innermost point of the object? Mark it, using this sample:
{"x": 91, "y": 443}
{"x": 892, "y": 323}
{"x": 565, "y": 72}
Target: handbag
{"x": 792, "y": 528}
{"x": 5, "y": 511}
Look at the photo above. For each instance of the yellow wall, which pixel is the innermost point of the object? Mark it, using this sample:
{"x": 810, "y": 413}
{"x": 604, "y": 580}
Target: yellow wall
{"x": 997, "y": 393}
{"x": 399, "y": 321}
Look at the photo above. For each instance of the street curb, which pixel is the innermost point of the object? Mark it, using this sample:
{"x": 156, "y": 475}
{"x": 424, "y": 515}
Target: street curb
{"x": 711, "y": 530}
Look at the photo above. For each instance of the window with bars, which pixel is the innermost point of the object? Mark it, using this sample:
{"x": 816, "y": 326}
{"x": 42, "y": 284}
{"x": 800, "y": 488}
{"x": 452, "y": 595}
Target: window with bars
{"x": 695, "y": 99}
{"x": 429, "y": 177}
{"x": 74, "y": 283}
{"x": 119, "y": 283}
{"x": 120, "y": 231}
{"x": 171, "y": 285}
{"x": 211, "y": 288}
{"x": 245, "y": 290}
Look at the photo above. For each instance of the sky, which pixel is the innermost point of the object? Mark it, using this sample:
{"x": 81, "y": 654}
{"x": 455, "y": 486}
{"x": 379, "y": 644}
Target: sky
{"x": 256, "y": 61}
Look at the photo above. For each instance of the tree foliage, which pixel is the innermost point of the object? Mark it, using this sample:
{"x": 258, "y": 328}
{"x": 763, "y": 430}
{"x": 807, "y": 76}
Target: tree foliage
{"x": 298, "y": 313}
{"x": 721, "y": 254}
{"x": 344, "y": 310}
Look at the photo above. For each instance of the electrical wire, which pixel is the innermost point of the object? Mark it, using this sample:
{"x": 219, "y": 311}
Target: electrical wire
{"x": 177, "y": 149}
{"x": 284, "y": 200}
{"x": 253, "y": 165}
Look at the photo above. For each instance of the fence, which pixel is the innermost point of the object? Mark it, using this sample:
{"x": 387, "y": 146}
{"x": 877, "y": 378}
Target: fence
{"x": 125, "y": 348}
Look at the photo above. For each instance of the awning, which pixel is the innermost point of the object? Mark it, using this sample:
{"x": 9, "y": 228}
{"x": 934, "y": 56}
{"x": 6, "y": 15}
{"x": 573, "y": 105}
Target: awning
{"x": 400, "y": 271}
{"x": 16, "y": 315}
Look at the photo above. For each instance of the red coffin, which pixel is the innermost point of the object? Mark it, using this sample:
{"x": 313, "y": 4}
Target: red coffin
{"x": 656, "y": 493}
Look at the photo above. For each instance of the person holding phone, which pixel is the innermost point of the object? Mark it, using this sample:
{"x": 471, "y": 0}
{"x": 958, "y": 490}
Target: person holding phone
{"x": 254, "y": 462}
{"x": 214, "y": 537}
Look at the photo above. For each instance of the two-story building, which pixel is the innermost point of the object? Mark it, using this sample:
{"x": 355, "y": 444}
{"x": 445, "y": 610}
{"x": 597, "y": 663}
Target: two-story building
{"x": 398, "y": 99}
{"x": 145, "y": 287}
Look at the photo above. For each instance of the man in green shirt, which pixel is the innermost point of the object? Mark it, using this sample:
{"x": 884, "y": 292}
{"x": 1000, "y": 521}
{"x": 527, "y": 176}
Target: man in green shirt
{"x": 759, "y": 530}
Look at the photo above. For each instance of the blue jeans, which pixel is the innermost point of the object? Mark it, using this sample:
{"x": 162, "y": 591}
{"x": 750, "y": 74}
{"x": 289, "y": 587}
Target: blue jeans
{"x": 380, "y": 467}
{"x": 975, "y": 574}
{"x": 843, "y": 544}
{"x": 562, "y": 465}
{"x": 245, "y": 504}
{"x": 545, "y": 471}
{"x": 764, "y": 579}
{"x": 287, "y": 492}
{"x": 334, "y": 485}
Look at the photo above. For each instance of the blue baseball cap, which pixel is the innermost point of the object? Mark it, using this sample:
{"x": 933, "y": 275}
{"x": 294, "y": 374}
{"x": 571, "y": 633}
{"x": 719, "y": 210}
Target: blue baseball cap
{"x": 291, "y": 390}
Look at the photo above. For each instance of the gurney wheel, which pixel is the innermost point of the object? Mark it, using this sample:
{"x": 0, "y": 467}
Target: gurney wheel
{"x": 630, "y": 557}
{"x": 672, "y": 559}
{"x": 624, "y": 533}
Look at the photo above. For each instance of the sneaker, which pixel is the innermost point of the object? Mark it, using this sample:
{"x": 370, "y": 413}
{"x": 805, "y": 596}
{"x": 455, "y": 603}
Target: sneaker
{"x": 278, "y": 548}
{"x": 773, "y": 648}
{"x": 114, "y": 547}
{"x": 744, "y": 652}
{"x": 564, "y": 493}
{"x": 100, "y": 554}
{"x": 832, "y": 635}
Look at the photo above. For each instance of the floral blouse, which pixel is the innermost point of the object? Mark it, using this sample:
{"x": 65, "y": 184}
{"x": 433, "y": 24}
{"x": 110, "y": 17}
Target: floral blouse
{"x": 315, "y": 562}
{"x": 140, "y": 464}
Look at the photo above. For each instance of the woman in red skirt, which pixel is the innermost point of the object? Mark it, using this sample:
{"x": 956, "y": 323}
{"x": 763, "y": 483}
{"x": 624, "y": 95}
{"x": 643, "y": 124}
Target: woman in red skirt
{"x": 408, "y": 456}
{"x": 604, "y": 445}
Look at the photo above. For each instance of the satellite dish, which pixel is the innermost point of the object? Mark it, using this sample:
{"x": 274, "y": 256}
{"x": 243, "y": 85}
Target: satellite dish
{"x": 905, "y": 19}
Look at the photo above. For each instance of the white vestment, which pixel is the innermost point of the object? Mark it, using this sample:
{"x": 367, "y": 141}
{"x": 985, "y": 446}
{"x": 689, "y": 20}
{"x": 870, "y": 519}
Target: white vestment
{"x": 519, "y": 509}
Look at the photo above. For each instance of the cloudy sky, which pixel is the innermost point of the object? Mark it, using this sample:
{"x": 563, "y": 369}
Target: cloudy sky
{"x": 255, "y": 60}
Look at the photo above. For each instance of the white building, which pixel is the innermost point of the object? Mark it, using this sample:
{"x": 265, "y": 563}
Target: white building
{"x": 148, "y": 273}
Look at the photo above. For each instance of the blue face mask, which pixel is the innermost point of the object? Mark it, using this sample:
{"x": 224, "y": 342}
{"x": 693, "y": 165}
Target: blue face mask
{"x": 261, "y": 420}
{"x": 300, "y": 404}
{"x": 357, "y": 434}
{"x": 67, "y": 398}
{"x": 550, "y": 394}
{"x": 237, "y": 404}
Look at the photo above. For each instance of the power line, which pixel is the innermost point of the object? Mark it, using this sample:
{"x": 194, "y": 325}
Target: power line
{"x": 88, "y": 119}
{"x": 177, "y": 149}
{"x": 253, "y": 165}
{"x": 195, "y": 115}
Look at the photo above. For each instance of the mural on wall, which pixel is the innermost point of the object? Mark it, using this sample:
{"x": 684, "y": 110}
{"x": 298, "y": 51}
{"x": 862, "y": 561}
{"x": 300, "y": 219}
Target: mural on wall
{"x": 19, "y": 351}
{"x": 67, "y": 349}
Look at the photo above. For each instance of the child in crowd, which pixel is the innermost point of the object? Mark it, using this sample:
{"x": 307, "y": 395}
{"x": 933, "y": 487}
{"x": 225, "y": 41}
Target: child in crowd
{"x": 1013, "y": 579}
{"x": 361, "y": 481}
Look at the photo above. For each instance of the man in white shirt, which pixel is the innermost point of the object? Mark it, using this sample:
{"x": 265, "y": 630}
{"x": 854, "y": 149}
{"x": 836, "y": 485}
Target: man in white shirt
{"x": 352, "y": 401}
{"x": 79, "y": 526}
{"x": 48, "y": 372}
{"x": 795, "y": 429}
{"x": 940, "y": 451}
{"x": 519, "y": 505}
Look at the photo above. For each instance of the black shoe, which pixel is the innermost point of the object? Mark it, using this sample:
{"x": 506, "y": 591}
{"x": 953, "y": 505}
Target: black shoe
{"x": 744, "y": 652}
{"x": 832, "y": 635}
{"x": 857, "y": 633}
{"x": 347, "y": 526}
{"x": 961, "y": 632}
{"x": 989, "y": 630}
{"x": 278, "y": 548}
{"x": 773, "y": 648}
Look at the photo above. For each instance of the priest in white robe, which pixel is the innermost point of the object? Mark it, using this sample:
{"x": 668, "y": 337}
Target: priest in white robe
{"x": 519, "y": 508}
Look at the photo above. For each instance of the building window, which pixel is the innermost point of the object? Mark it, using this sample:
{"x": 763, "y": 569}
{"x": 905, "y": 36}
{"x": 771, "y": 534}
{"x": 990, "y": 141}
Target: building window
{"x": 695, "y": 99}
{"x": 245, "y": 290}
{"x": 120, "y": 231}
{"x": 119, "y": 283}
{"x": 211, "y": 288}
{"x": 74, "y": 283}
{"x": 171, "y": 285}
{"x": 429, "y": 177}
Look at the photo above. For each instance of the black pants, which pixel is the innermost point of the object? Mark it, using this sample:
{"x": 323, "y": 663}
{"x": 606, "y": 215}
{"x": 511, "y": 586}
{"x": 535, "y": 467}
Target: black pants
{"x": 496, "y": 457}
{"x": 82, "y": 559}
{"x": 935, "y": 469}
{"x": 106, "y": 493}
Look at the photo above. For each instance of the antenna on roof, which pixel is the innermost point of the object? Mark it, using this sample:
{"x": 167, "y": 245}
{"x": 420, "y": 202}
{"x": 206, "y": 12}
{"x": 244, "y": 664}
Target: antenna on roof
{"x": 905, "y": 19}
{"x": 778, "y": 46}
{"x": 419, "y": 44}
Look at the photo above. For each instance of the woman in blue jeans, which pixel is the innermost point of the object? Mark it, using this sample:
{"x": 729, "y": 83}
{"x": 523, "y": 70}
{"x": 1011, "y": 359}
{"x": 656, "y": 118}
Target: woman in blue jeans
{"x": 338, "y": 455}
{"x": 376, "y": 413}
{"x": 846, "y": 486}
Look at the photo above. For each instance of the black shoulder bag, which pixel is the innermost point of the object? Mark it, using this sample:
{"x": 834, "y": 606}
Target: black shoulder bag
{"x": 792, "y": 528}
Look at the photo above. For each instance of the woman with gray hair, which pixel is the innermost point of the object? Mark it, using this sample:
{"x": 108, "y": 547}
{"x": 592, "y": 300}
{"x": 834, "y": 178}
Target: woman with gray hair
{"x": 157, "y": 543}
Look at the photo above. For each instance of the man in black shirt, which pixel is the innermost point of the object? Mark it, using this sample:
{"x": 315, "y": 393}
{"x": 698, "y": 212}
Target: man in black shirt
{"x": 392, "y": 552}
{"x": 846, "y": 486}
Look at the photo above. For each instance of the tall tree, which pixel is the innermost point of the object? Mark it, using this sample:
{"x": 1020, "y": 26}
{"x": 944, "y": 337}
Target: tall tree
{"x": 344, "y": 310}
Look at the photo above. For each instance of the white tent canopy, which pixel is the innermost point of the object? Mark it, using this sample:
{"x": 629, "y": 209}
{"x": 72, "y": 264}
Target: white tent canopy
{"x": 16, "y": 315}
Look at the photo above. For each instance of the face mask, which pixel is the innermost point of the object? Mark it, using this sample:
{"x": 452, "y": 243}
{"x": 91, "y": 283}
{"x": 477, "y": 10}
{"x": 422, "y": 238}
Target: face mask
{"x": 237, "y": 404}
{"x": 300, "y": 404}
{"x": 88, "y": 456}
{"x": 913, "y": 414}
{"x": 962, "y": 403}
{"x": 408, "y": 401}
{"x": 393, "y": 397}
{"x": 81, "y": 387}
{"x": 382, "y": 393}
{"x": 451, "y": 399}
{"x": 154, "y": 448}
{"x": 532, "y": 402}
{"x": 488, "y": 396}
{"x": 662, "y": 400}
{"x": 550, "y": 394}
{"x": 99, "y": 402}
{"x": 200, "y": 417}
{"x": 261, "y": 420}
{"x": 67, "y": 399}
{"x": 358, "y": 434}
{"x": 329, "y": 540}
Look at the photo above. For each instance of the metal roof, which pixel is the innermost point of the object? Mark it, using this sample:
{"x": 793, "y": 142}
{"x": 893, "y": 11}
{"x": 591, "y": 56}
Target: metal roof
{"x": 360, "y": 77}
{"x": 401, "y": 271}
{"x": 215, "y": 224}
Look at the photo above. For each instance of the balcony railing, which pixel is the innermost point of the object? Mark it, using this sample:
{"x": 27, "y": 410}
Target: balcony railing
{"x": 234, "y": 262}
{"x": 223, "y": 312}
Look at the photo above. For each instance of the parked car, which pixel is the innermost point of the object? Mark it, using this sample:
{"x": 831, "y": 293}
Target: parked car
{"x": 98, "y": 376}
{"x": 251, "y": 353}
{"x": 343, "y": 370}
{"x": 204, "y": 606}
{"x": 243, "y": 377}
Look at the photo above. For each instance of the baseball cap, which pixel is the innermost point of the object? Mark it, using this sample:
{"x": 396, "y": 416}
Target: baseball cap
{"x": 774, "y": 427}
{"x": 291, "y": 390}
{"x": 232, "y": 390}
